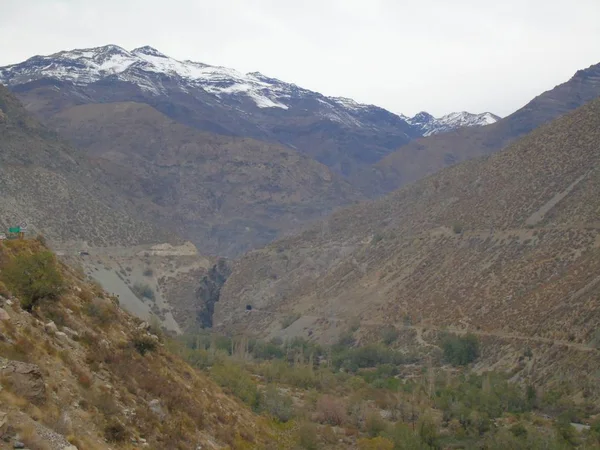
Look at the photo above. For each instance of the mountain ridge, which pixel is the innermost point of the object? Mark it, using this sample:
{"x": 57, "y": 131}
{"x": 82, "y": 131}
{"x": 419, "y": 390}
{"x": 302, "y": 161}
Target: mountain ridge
{"x": 425, "y": 156}
{"x": 339, "y": 132}
{"x": 49, "y": 184}
{"x": 515, "y": 233}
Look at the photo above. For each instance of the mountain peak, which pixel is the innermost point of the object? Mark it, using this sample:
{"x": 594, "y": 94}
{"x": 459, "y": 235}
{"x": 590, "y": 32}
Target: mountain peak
{"x": 429, "y": 124}
{"x": 149, "y": 51}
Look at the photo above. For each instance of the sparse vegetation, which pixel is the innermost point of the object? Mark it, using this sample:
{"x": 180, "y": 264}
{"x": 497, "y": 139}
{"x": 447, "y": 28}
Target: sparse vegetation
{"x": 143, "y": 291}
{"x": 144, "y": 343}
{"x": 457, "y": 228}
{"x": 288, "y": 320}
{"x": 33, "y": 277}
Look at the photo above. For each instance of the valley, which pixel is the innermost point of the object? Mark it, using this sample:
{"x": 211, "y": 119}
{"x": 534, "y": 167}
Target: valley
{"x": 225, "y": 260}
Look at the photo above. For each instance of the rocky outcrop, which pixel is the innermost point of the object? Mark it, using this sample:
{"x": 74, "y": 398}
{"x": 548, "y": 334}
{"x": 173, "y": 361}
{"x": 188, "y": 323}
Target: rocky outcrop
{"x": 25, "y": 379}
{"x": 209, "y": 292}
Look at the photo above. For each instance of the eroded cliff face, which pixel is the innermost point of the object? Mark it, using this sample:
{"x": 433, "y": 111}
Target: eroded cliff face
{"x": 209, "y": 292}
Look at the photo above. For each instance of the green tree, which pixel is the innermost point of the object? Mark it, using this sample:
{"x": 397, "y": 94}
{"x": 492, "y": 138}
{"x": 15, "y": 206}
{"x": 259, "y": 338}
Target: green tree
{"x": 460, "y": 351}
{"x": 33, "y": 277}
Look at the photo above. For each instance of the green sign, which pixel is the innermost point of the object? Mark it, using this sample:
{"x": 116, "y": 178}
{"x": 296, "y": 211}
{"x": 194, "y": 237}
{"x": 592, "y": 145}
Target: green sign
{"x": 14, "y": 230}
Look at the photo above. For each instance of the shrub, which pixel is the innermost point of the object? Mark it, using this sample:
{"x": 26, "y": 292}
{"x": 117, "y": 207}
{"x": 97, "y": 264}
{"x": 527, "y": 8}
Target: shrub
{"x": 375, "y": 424}
{"x": 307, "y": 436}
{"x": 143, "y": 291}
{"x": 376, "y": 238}
{"x": 115, "y": 431}
{"x": 101, "y": 311}
{"x": 278, "y": 405}
{"x": 389, "y": 334}
{"x": 144, "y": 343}
{"x": 457, "y": 228}
{"x": 331, "y": 410}
{"x": 460, "y": 351}
{"x": 33, "y": 277}
{"x": 370, "y": 355}
{"x": 237, "y": 381}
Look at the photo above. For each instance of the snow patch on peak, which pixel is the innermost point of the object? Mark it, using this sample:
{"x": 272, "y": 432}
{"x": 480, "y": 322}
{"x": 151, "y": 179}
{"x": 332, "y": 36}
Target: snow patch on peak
{"x": 86, "y": 66}
{"x": 147, "y": 50}
{"x": 430, "y": 125}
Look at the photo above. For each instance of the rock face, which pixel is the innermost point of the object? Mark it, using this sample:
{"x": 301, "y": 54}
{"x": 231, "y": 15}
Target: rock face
{"x": 209, "y": 292}
{"x": 26, "y": 379}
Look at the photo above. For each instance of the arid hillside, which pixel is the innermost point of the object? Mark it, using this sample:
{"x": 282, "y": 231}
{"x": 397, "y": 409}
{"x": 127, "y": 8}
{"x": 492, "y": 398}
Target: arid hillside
{"x": 427, "y": 155}
{"x": 225, "y": 194}
{"x": 79, "y": 373}
{"x": 49, "y": 184}
{"x": 507, "y": 246}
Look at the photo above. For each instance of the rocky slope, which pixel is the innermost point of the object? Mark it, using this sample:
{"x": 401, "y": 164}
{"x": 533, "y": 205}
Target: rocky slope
{"x": 338, "y": 132}
{"x": 47, "y": 183}
{"x": 507, "y": 245}
{"x": 223, "y": 193}
{"x": 425, "y": 156}
{"x": 78, "y": 373}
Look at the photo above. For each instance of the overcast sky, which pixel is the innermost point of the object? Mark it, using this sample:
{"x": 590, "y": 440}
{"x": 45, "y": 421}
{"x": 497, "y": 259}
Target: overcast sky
{"x": 407, "y": 56}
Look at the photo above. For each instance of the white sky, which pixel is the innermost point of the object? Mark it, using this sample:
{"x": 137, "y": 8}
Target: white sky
{"x": 407, "y": 56}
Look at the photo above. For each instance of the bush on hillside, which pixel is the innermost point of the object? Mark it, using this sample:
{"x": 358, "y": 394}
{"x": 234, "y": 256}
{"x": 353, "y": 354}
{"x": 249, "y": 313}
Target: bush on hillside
{"x": 459, "y": 350}
{"x": 144, "y": 343}
{"x": 143, "y": 291}
{"x": 389, "y": 334}
{"x": 276, "y": 404}
{"x": 33, "y": 277}
{"x": 236, "y": 381}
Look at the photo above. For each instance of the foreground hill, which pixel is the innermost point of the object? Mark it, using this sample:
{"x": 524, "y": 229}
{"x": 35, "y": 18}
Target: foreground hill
{"x": 225, "y": 194}
{"x": 507, "y": 246}
{"x": 77, "y": 372}
{"x": 338, "y": 132}
{"x": 425, "y": 156}
{"x": 45, "y": 182}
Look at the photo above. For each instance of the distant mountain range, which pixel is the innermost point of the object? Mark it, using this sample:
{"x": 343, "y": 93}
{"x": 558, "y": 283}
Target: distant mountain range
{"x": 336, "y": 131}
{"x": 429, "y": 125}
{"x": 232, "y": 161}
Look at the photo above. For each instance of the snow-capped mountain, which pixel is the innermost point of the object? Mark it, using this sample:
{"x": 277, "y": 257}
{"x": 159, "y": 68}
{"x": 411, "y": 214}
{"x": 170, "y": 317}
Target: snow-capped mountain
{"x": 429, "y": 125}
{"x": 147, "y": 68}
{"x": 336, "y": 131}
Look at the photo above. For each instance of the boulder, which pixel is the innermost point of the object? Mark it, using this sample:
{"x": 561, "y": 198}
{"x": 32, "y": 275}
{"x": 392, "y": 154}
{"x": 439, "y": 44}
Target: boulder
{"x": 51, "y": 327}
{"x": 70, "y": 333}
{"x": 62, "y": 335}
{"x": 4, "y": 315}
{"x": 23, "y": 379}
{"x": 157, "y": 408}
